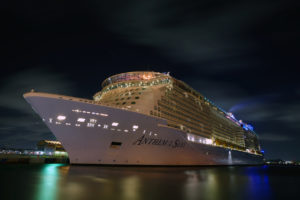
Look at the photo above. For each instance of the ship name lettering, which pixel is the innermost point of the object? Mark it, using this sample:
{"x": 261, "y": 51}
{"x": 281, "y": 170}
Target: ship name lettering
{"x": 157, "y": 141}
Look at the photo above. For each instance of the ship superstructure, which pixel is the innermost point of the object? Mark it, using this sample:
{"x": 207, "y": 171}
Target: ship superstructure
{"x": 147, "y": 118}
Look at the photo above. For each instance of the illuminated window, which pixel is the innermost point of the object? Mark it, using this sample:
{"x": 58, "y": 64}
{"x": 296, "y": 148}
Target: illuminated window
{"x": 50, "y": 120}
{"x": 99, "y": 125}
{"x": 104, "y": 115}
{"x": 126, "y": 131}
{"x": 61, "y": 117}
{"x": 105, "y": 126}
{"x": 115, "y": 124}
{"x": 90, "y": 125}
{"x": 208, "y": 141}
{"x": 93, "y": 120}
{"x": 81, "y": 120}
{"x": 77, "y": 124}
{"x": 135, "y": 126}
{"x": 68, "y": 124}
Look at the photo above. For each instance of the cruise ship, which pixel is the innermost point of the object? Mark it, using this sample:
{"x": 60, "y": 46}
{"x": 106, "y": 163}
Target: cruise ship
{"x": 147, "y": 118}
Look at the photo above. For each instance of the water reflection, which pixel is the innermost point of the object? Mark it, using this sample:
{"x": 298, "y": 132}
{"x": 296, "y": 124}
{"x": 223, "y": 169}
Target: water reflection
{"x": 56, "y": 181}
{"x": 227, "y": 183}
{"x": 258, "y": 182}
{"x": 130, "y": 188}
{"x": 199, "y": 184}
{"x": 47, "y": 189}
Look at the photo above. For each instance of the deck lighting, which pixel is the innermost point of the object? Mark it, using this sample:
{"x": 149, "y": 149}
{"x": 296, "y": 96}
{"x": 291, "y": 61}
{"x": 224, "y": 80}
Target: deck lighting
{"x": 61, "y": 117}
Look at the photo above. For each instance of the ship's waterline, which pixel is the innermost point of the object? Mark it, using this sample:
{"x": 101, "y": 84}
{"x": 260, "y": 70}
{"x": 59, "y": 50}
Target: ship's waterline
{"x": 146, "y": 118}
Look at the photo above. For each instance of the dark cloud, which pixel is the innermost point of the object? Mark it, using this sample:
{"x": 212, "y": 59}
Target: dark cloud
{"x": 192, "y": 32}
{"x": 274, "y": 137}
{"x": 19, "y": 125}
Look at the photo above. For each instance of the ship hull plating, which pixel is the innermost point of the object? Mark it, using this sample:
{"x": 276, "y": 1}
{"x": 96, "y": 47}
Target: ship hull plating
{"x": 120, "y": 137}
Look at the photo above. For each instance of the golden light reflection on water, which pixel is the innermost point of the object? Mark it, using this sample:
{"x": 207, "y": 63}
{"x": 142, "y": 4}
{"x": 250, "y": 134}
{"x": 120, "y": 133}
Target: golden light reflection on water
{"x": 57, "y": 181}
{"x": 130, "y": 188}
{"x": 200, "y": 184}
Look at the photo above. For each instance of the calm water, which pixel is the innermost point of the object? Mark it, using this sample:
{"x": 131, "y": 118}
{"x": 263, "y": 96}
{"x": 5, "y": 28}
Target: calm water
{"x": 57, "y": 181}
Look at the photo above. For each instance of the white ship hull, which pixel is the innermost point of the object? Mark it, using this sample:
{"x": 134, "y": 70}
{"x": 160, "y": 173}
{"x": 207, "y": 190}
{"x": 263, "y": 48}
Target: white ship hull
{"x": 152, "y": 143}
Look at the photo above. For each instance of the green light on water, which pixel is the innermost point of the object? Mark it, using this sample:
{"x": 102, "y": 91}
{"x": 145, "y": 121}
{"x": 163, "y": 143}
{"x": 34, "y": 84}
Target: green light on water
{"x": 48, "y": 183}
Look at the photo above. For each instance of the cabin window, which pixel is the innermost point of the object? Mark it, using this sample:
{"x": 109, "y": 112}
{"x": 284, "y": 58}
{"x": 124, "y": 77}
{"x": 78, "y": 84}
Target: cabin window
{"x": 115, "y": 145}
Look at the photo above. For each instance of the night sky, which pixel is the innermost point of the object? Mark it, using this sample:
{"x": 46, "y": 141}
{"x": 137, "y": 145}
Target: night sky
{"x": 242, "y": 55}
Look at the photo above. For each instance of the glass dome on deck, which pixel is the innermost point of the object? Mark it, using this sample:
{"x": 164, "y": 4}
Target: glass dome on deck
{"x": 142, "y": 75}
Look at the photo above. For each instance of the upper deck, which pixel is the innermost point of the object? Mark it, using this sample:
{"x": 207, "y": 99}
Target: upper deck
{"x": 132, "y": 76}
{"x": 141, "y": 78}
